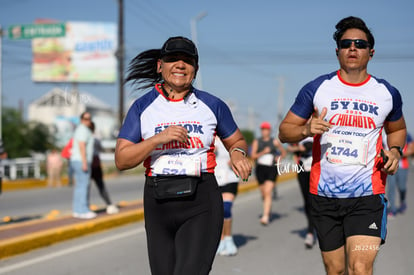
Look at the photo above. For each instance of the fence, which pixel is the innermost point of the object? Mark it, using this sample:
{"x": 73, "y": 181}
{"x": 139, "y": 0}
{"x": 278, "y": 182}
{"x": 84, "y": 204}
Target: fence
{"x": 13, "y": 169}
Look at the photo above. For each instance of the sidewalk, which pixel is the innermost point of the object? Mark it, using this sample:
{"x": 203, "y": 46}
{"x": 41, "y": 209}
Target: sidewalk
{"x": 20, "y": 237}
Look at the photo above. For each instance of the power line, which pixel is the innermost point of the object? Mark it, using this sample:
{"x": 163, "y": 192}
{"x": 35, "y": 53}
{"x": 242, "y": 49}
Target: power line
{"x": 159, "y": 16}
{"x": 152, "y": 21}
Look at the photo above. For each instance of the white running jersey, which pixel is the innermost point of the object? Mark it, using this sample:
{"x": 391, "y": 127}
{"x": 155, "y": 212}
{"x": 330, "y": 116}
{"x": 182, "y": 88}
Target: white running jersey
{"x": 202, "y": 114}
{"x": 223, "y": 172}
{"x": 344, "y": 158}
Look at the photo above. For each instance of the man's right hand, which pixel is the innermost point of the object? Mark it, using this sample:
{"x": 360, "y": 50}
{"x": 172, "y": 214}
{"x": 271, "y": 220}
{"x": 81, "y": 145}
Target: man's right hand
{"x": 317, "y": 125}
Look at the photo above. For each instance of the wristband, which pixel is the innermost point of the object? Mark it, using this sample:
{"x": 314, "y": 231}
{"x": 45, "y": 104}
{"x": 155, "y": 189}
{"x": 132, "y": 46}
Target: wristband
{"x": 239, "y": 150}
{"x": 400, "y": 150}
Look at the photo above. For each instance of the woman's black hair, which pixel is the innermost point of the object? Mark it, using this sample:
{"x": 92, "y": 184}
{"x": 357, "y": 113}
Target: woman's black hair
{"x": 143, "y": 71}
{"x": 352, "y": 22}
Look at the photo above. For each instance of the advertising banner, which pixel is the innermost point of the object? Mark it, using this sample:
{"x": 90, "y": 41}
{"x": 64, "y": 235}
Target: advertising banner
{"x": 85, "y": 54}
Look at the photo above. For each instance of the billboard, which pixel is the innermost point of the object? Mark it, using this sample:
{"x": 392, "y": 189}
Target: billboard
{"x": 85, "y": 54}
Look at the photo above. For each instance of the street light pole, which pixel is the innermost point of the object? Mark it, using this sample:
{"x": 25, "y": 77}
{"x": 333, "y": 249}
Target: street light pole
{"x": 193, "y": 24}
{"x": 1, "y": 85}
{"x": 120, "y": 56}
{"x": 280, "y": 102}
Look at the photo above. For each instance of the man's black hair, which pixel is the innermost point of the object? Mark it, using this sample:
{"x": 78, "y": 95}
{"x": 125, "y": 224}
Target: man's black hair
{"x": 352, "y": 22}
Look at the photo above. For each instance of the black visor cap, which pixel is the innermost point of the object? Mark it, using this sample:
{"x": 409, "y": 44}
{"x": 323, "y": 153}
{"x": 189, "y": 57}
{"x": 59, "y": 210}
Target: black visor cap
{"x": 179, "y": 44}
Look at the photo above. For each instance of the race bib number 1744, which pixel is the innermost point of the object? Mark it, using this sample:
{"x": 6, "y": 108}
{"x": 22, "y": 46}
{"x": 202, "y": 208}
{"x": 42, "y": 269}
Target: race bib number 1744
{"x": 347, "y": 150}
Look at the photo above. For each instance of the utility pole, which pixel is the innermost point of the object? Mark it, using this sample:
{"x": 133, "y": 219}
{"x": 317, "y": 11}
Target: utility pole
{"x": 1, "y": 85}
{"x": 120, "y": 55}
{"x": 193, "y": 26}
{"x": 1, "y": 111}
{"x": 280, "y": 103}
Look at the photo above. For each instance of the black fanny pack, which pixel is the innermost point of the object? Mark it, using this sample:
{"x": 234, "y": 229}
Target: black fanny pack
{"x": 168, "y": 187}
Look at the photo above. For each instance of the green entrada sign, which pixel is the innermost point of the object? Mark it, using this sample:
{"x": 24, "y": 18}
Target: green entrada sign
{"x": 37, "y": 31}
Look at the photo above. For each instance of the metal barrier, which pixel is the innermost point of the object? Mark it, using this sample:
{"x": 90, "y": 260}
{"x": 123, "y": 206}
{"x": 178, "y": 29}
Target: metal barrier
{"x": 13, "y": 169}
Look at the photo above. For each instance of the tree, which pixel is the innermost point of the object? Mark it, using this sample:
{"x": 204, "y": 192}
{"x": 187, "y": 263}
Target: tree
{"x": 14, "y": 134}
{"x": 20, "y": 138}
{"x": 40, "y": 138}
{"x": 248, "y": 136}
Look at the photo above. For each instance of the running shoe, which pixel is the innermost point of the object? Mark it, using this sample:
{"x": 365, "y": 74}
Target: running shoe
{"x": 391, "y": 215}
{"x": 112, "y": 209}
{"x": 402, "y": 208}
{"x": 220, "y": 247}
{"x": 85, "y": 216}
{"x": 309, "y": 240}
{"x": 230, "y": 248}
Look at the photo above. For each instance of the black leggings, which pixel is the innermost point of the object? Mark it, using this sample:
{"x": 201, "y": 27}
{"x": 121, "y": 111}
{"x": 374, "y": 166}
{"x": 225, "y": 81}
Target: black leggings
{"x": 97, "y": 176}
{"x": 183, "y": 234}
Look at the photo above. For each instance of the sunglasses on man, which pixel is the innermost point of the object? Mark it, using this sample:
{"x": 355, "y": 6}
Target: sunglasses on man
{"x": 359, "y": 43}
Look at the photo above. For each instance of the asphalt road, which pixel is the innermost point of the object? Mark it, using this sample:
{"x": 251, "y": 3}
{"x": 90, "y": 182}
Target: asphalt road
{"x": 275, "y": 249}
{"x": 36, "y": 202}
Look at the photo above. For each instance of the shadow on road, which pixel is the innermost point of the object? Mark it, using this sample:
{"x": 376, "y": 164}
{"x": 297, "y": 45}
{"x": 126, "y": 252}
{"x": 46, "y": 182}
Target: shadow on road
{"x": 241, "y": 240}
{"x": 300, "y": 232}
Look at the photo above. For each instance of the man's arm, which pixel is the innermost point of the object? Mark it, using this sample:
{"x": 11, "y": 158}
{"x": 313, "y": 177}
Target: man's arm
{"x": 396, "y": 136}
{"x": 295, "y": 128}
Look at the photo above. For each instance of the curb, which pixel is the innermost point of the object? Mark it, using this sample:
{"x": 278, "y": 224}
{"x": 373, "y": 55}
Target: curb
{"x": 22, "y": 184}
{"x": 18, "y": 245}
{"x": 28, "y": 184}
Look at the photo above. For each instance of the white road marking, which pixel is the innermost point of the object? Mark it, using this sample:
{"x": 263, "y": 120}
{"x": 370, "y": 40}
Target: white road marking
{"x": 37, "y": 260}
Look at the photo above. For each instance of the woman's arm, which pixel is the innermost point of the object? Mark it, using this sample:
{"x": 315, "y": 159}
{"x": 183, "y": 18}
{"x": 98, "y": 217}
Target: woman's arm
{"x": 129, "y": 154}
{"x": 239, "y": 162}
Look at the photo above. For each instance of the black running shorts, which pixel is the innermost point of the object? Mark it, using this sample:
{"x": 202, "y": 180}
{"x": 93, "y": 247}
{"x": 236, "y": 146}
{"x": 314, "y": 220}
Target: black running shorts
{"x": 337, "y": 219}
{"x": 230, "y": 188}
{"x": 264, "y": 173}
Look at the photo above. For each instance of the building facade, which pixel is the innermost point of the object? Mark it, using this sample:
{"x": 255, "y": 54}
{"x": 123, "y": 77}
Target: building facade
{"x": 60, "y": 111}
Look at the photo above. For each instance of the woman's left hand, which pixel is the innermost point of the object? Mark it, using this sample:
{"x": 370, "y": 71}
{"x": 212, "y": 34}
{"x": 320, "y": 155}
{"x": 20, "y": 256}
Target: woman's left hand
{"x": 241, "y": 165}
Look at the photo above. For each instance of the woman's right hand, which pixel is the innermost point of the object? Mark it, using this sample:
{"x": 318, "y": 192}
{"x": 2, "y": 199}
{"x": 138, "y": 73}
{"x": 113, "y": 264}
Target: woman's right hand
{"x": 173, "y": 133}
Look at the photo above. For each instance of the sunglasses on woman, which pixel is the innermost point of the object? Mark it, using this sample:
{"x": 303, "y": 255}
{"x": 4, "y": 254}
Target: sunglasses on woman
{"x": 359, "y": 43}
{"x": 176, "y": 57}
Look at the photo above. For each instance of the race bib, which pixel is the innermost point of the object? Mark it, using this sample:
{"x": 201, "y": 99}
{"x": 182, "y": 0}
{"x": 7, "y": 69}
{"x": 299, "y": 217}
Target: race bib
{"x": 267, "y": 160}
{"x": 347, "y": 150}
{"x": 177, "y": 165}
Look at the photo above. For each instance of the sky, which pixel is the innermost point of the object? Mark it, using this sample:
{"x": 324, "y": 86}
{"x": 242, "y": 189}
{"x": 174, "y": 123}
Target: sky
{"x": 255, "y": 55}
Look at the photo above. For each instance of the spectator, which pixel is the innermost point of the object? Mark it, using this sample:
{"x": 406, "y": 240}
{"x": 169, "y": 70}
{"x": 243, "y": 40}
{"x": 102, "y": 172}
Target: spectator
{"x": 81, "y": 159}
{"x": 54, "y": 168}
{"x": 66, "y": 153}
{"x": 97, "y": 174}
